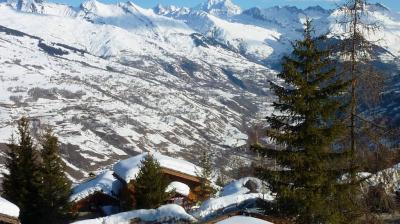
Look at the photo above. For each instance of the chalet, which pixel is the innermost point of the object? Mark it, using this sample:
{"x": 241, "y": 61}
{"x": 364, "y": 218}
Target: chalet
{"x": 181, "y": 173}
{"x": 97, "y": 195}
{"x": 109, "y": 191}
{"x": 8, "y": 212}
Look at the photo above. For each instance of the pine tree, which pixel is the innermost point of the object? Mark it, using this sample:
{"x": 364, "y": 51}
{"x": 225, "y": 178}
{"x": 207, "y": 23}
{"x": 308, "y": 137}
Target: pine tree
{"x": 150, "y": 184}
{"x": 56, "y": 188}
{"x": 205, "y": 174}
{"x": 306, "y": 179}
{"x": 21, "y": 185}
{"x": 14, "y": 175}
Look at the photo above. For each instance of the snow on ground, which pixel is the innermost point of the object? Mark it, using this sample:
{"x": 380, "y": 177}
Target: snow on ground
{"x": 215, "y": 204}
{"x": 105, "y": 183}
{"x": 238, "y": 187}
{"x": 8, "y": 208}
{"x": 390, "y": 178}
{"x": 164, "y": 214}
{"x": 233, "y": 195}
{"x": 243, "y": 220}
{"x": 255, "y": 37}
{"x": 179, "y": 188}
{"x": 128, "y": 169}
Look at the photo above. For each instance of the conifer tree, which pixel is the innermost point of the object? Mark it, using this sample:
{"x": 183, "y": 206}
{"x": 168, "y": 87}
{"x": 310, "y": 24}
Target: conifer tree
{"x": 56, "y": 187}
{"x": 21, "y": 184}
{"x": 307, "y": 178}
{"x": 150, "y": 184}
{"x": 205, "y": 174}
{"x": 14, "y": 176}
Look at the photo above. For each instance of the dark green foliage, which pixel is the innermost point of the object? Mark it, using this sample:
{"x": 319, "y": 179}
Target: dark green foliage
{"x": 56, "y": 187}
{"x": 306, "y": 179}
{"x": 205, "y": 175}
{"x": 21, "y": 185}
{"x": 150, "y": 185}
{"x": 13, "y": 177}
{"x": 36, "y": 182}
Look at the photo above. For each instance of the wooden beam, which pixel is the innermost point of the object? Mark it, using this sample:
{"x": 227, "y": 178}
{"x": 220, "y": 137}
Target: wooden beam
{"x": 181, "y": 175}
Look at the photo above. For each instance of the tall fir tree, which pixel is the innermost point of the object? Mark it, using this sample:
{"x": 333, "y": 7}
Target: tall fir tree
{"x": 56, "y": 187}
{"x": 150, "y": 184}
{"x": 307, "y": 176}
{"x": 21, "y": 184}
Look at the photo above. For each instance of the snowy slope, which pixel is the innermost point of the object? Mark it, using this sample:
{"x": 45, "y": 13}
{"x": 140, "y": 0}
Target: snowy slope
{"x": 111, "y": 91}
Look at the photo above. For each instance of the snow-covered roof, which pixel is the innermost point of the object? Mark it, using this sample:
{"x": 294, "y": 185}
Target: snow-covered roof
{"x": 243, "y": 220}
{"x": 128, "y": 169}
{"x": 179, "y": 188}
{"x": 105, "y": 183}
{"x": 8, "y": 208}
{"x": 166, "y": 213}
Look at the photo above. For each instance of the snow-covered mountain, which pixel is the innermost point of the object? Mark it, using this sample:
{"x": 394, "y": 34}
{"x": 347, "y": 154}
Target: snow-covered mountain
{"x": 114, "y": 80}
{"x": 221, "y": 8}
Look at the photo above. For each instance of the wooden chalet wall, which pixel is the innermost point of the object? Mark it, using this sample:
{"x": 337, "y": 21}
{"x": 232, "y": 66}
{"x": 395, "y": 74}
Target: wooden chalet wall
{"x": 93, "y": 202}
{"x": 6, "y": 219}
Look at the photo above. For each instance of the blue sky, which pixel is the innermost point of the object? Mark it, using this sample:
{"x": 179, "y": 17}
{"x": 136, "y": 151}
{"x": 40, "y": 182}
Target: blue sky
{"x": 392, "y": 4}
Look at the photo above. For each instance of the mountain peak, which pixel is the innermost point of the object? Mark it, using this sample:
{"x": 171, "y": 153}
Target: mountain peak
{"x": 315, "y": 8}
{"x": 26, "y": 5}
{"x": 89, "y": 5}
{"x": 220, "y": 8}
{"x": 162, "y": 10}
